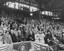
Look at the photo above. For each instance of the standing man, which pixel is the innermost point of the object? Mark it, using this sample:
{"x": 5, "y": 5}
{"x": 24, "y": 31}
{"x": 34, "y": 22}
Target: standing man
{"x": 49, "y": 40}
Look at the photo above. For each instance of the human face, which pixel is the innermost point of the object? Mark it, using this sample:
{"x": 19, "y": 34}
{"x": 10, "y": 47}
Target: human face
{"x": 1, "y": 32}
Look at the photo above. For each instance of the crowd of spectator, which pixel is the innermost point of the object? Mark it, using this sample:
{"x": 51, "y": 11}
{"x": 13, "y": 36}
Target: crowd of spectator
{"x": 11, "y": 31}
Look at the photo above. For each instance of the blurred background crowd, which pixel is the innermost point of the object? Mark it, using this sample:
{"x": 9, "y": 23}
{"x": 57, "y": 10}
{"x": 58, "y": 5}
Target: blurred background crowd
{"x": 38, "y": 21}
{"x": 13, "y": 31}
